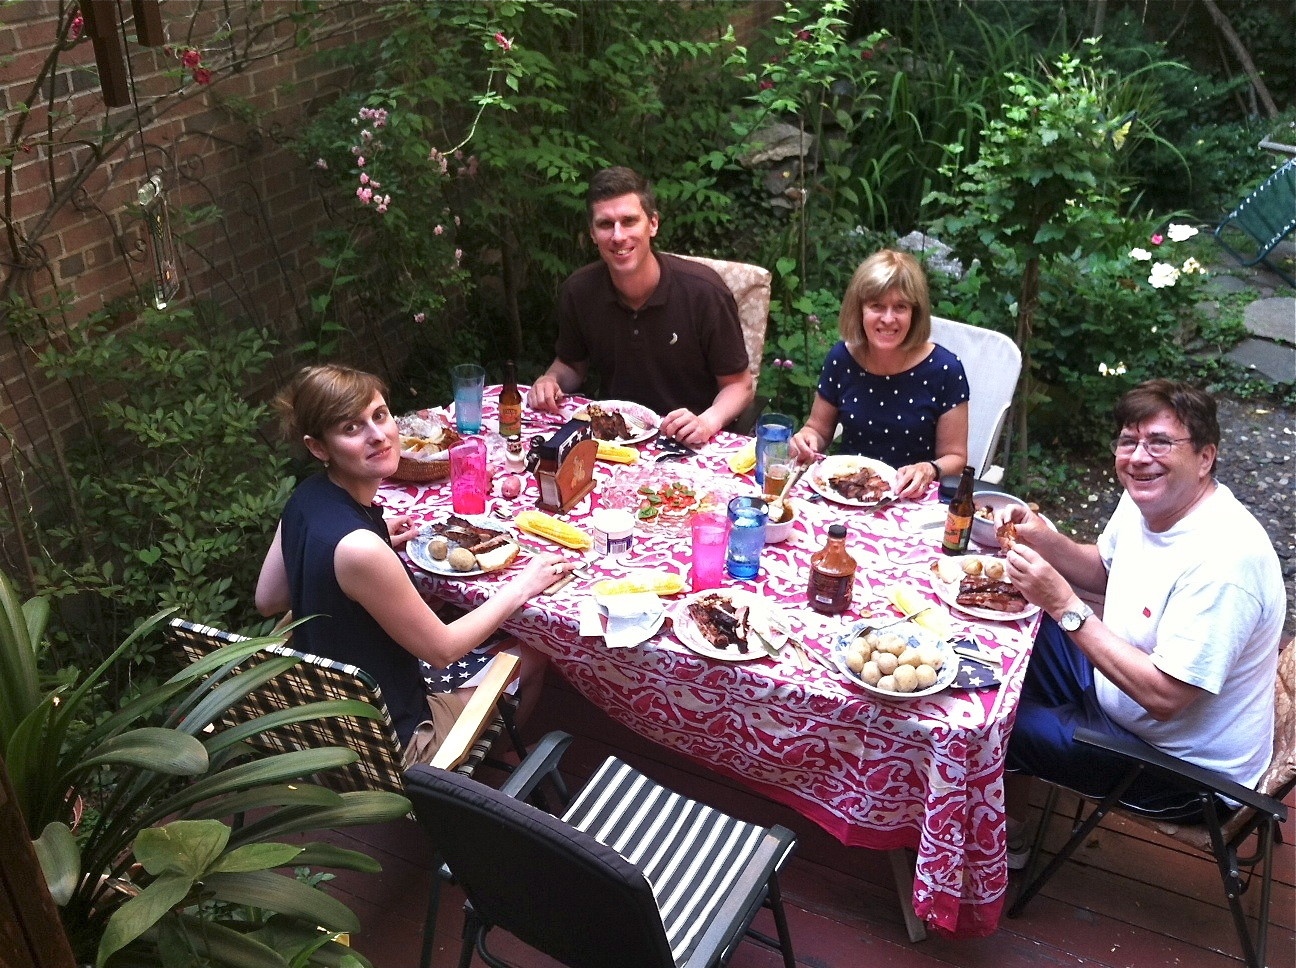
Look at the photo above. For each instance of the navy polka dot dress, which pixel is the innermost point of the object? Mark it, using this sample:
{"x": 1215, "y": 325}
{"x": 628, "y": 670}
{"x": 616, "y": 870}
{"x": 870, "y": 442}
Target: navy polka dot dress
{"x": 892, "y": 418}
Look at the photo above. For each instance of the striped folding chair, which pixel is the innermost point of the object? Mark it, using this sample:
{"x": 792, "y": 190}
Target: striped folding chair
{"x": 374, "y": 740}
{"x": 631, "y": 876}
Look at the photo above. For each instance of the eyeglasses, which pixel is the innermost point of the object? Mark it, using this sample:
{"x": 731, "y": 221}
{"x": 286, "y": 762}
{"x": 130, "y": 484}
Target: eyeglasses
{"x": 1154, "y": 446}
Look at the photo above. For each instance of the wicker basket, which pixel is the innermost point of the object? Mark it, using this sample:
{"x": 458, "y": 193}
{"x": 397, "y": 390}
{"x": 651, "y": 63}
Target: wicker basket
{"x": 422, "y": 471}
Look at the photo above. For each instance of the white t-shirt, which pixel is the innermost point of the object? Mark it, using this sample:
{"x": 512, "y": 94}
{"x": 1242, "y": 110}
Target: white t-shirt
{"x": 1206, "y": 600}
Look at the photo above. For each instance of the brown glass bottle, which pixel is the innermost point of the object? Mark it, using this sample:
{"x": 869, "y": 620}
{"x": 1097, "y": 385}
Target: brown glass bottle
{"x": 832, "y": 574}
{"x": 958, "y": 522}
{"x": 510, "y": 403}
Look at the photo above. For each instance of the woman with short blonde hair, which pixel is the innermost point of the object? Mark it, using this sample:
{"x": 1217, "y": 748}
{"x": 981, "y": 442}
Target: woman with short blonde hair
{"x": 899, "y": 397}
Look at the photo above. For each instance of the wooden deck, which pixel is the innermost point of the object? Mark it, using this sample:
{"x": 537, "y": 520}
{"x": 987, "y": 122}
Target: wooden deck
{"x": 1125, "y": 901}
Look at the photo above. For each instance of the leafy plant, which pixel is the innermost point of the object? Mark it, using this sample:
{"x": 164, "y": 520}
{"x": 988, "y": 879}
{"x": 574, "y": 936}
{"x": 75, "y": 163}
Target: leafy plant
{"x": 137, "y": 882}
{"x": 174, "y": 482}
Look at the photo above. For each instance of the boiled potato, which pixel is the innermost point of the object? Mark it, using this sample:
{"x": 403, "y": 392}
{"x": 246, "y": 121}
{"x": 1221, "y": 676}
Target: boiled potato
{"x": 890, "y": 642}
{"x": 909, "y": 657}
{"x": 972, "y": 566}
{"x": 929, "y": 655}
{"x": 855, "y": 661}
{"x": 994, "y": 569}
{"x": 871, "y": 673}
{"x": 926, "y": 676}
{"x": 461, "y": 559}
{"x": 947, "y": 570}
{"x": 887, "y": 683}
{"x": 906, "y": 678}
{"x": 871, "y": 640}
{"x": 439, "y": 547}
{"x": 886, "y": 662}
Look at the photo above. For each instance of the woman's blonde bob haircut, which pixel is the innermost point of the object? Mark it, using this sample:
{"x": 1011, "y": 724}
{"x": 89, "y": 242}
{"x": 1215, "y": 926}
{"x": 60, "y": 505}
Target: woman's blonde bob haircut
{"x": 320, "y": 397}
{"x": 877, "y": 275}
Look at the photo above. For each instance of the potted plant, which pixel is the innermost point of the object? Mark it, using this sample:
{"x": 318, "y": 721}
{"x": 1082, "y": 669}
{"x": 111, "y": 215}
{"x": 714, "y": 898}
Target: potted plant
{"x": 152, "y": 875}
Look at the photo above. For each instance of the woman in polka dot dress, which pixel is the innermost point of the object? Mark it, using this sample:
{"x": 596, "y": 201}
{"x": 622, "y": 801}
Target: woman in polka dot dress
{"x": 899, "y": 397}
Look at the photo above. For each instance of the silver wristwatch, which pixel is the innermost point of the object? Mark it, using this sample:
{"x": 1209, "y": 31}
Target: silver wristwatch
{"x": 1073, "y": 618}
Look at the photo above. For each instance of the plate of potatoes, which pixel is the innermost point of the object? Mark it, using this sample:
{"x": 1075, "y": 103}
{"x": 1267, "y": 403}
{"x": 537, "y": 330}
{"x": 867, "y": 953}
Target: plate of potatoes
{"x": 902, "y": 661}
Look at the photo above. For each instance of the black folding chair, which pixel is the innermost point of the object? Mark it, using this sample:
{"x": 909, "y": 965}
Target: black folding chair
{"x": 1222, "y": 834}
{"x": 631, "y": 876}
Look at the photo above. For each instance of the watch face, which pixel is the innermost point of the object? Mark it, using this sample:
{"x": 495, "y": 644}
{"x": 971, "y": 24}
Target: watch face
{"x": 1070, "y": 621}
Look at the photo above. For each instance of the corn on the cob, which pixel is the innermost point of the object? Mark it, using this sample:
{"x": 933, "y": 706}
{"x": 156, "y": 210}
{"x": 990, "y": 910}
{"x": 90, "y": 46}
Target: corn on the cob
{"x": 616, "y": 453}
{"x": 658, "y": 582}
{"x": 545, "y": 526}
{"x": 744, "y": 462}
{"x": 909, "y": 601}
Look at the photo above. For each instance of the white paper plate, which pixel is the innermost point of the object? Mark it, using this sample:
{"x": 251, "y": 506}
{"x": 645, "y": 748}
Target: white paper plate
{"x": 640, "y": 421}
{"x": 820, "y": 477}
{"x": 687, "y": 632}
{"x": 947, "y": 592}
{"x": 417, "y": 549}
{"x": 918, "y": 637}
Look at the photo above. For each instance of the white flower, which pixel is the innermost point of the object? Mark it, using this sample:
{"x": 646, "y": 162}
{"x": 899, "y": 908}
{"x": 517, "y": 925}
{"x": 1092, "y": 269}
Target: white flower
{"x": 1163, "y": 274}
{"x": 1140, "y": 255}
{"x": 1180, "y": 233}
{"x": 1191, "y": 266}
{"x": 1117, "y": 370}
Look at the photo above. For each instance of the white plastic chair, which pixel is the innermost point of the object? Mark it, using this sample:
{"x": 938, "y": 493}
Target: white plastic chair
{"x": 992, "y": 362}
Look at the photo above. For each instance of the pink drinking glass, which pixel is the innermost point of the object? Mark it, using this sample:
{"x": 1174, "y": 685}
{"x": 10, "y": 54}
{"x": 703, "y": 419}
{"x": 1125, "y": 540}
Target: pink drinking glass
{"x": 710, "y": 536}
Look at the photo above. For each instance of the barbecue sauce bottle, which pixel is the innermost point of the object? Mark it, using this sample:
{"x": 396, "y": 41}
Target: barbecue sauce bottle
{"x": 510, "y": 404}
{"x": 832, "y": 574}
{"x": 958, "y": 522}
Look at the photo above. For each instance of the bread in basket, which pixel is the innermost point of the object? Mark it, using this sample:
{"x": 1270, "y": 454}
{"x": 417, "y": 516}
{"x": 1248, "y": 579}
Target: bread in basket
{"x": 426, "y": 440}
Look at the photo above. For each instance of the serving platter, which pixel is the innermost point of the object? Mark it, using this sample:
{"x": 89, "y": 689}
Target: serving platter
{"x": 947, "y": 592}
{"x": 918, "y": 637}
{"x": 821, "y": 475}
{"x": 687, "y": 632}
{"x": 641, "y": 422}
{"x": 419, "y": 553}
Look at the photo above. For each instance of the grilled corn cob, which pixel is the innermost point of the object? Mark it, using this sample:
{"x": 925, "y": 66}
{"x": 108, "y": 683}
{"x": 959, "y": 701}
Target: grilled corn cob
{"x": 545, "y": 526}
{"x": 743, "y": 462}
{"x": 658, "y": 582}
{"x": 909, "y": 601}
{"x": 616, "y": 453}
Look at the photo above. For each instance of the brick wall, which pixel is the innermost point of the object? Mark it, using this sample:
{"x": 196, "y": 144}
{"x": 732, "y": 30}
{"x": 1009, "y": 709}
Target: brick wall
{"x": 72, "y": 231}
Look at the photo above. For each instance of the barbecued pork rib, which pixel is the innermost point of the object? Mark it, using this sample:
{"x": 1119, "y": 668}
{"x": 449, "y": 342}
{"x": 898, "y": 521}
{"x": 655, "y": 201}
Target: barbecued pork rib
{"x": 863, "y": 485}
{"x": 991, "y": 593}
{"x": 720, "y": 622}
{"x": 607, "y": 424}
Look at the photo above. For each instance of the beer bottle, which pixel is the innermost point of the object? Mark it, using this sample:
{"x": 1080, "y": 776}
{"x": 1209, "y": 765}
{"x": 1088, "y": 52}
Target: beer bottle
{"x": 832, "y": 574}
{"x": 958, "y": 522}
{"x": 510, "y": 403}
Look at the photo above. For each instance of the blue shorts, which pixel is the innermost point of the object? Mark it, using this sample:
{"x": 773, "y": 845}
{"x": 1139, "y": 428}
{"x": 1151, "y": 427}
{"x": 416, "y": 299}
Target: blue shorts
{"x": 1058, "y": 696}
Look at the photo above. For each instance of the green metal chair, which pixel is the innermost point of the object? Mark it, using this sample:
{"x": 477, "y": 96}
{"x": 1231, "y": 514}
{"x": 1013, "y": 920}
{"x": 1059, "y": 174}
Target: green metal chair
{"x": 1267, "y": 216}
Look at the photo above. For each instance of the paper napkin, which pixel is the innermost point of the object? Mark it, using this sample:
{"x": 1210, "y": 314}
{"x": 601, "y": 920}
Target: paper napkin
{"x": 973, "y": 674}
{"x": 623, "y": 621}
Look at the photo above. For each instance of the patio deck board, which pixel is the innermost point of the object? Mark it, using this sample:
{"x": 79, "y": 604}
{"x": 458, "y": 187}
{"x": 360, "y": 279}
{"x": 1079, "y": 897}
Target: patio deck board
{"x": 1126, "y": 902}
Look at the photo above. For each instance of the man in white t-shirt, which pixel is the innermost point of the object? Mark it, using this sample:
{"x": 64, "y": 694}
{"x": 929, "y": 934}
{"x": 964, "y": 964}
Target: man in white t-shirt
{"x": 1185, "y": 654}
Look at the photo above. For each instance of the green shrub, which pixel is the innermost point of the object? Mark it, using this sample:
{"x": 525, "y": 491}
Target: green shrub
{"x": 174, "y": 491}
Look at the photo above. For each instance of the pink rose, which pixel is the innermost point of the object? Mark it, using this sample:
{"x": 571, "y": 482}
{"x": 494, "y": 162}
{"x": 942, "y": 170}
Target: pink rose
{"x": 202, "y": 75}
{"x": 766, "y": 85}
{"x": 803, "y": 35}
{"x": 1157, "y": 238}
{"x": 438, "y": 230}
{"x": 420, "y": 317}
{"x": 364, "y": 179}
{"x": 78, "y": 24}
{"x": 504, "y": 42}
{"x": 191, "y": 58}
{"x": 866, "y": 54}
{"x": 360, "y": 161}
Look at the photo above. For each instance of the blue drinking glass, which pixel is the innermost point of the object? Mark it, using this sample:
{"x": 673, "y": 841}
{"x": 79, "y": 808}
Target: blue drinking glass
{"x": 771, "y": 428}
{"x": 747, "y": 517}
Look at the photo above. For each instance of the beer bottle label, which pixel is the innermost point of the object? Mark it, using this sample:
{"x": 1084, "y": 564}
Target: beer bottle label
{"x": 958, "y": 528}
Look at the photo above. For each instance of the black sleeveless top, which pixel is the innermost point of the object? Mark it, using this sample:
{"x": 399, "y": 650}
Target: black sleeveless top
{"x": 317, "y": 516}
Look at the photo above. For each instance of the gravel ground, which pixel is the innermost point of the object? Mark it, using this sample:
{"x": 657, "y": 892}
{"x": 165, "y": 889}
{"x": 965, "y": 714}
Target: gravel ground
{"x": 1256, "y": 462}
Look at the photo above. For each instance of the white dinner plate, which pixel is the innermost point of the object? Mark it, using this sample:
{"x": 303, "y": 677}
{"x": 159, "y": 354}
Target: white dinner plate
{"x": 640, "y": 421}
{"x": 918, "y": 637}
{"x": 821, "y": 476}
{"x": 947, "y": 592}
{"x": 417, "y": 549}
{"x": 686, "y": 629}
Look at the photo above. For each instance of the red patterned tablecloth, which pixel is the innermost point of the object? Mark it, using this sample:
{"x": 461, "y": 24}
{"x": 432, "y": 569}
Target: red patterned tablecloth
{"x": 924, "y": 773}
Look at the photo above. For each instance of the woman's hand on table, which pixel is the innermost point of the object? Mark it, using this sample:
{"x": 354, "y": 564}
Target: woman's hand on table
{"x": 400, "y": 528}
{"x": 541, "y": 572}
{"x": 912, "y": 480}
{"x": 806, "y": 444}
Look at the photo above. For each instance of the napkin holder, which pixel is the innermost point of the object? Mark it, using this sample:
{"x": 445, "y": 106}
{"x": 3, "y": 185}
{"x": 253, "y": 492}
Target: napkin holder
{"x": 565, "y": 472}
